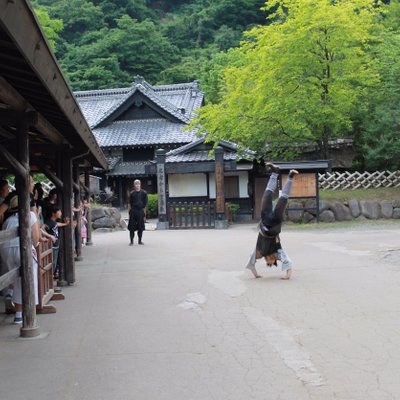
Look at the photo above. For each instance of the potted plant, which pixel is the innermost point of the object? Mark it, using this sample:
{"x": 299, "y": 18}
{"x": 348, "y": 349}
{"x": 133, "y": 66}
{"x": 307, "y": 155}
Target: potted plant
{"x": 232, "y": 208}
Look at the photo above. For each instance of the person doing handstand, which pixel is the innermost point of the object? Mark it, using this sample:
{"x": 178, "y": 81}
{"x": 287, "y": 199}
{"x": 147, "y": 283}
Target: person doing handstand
{"x": 268, "y": 241}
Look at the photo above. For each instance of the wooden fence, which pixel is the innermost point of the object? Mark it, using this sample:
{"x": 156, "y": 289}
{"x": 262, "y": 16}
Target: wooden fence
{"x": 184, "y": 215}
{"x": 358, "y": 180}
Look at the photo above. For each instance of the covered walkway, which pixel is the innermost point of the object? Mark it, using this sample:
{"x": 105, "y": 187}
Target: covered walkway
{"x": 179, "y": 319}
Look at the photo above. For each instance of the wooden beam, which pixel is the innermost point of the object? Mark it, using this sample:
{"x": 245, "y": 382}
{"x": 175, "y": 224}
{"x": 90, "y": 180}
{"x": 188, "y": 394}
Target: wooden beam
{"x": 12, "y": 162}
{"x": 49, "y": 173}
{"x": 13, "y": 98}
{"x": 6, "y": 134}
{"x": 12, "y": 117}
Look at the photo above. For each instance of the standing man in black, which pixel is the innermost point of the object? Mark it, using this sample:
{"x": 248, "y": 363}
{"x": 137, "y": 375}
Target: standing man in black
{"x": 137, "y": 211}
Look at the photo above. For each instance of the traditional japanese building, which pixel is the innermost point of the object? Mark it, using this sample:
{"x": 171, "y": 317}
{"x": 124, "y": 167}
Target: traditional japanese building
{"x": 131, "y": 124}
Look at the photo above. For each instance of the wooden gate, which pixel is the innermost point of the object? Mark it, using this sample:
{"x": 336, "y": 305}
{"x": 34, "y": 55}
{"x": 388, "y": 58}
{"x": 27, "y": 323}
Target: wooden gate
{"x": 193, "y": 215}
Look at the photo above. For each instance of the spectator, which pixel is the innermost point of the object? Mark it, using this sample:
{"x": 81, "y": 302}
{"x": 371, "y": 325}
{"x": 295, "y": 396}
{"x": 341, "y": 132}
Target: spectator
{"x": 38, "y": 196}
{"x": 48, "y": 204}
{"x": 10, "y": 254}
{"x": 52, "y": 224}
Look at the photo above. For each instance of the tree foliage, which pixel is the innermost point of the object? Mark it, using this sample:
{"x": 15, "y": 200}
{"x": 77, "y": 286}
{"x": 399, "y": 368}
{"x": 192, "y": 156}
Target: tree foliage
{"x": 107, "y": 42}
{"x": 379, "y": 142}
{"x": 303, "y": 77}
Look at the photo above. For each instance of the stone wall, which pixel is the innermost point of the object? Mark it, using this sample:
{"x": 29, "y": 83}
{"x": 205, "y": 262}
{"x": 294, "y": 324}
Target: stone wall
{"x": 107, "y": 218}
{"x": 331, "y": 211}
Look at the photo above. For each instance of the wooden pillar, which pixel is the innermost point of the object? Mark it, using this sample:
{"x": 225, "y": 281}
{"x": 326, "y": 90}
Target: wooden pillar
{"x": 89, "y": 214}
{"x": 120, "y": 192}
{"x": 68, "y": 253}
{"x": 161, "y": 190}
{"x": 61, "y": 232}
{"x": 29, "y": 326}
{"x": 78, "y": 214}
{"x": 221, "y": 221}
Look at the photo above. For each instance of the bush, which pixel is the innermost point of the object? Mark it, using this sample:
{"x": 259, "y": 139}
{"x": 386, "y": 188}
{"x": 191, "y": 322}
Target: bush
{"x": 152, "y": 206}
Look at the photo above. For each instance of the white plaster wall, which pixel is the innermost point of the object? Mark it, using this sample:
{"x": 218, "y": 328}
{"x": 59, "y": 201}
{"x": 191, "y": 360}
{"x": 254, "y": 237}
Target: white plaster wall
{"x": 187, "y": 185}
{"x": 243, "y": 182}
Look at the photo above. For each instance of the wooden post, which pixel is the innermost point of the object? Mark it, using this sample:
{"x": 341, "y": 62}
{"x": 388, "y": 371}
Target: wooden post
{"x": 89, "y": 215}
{"x": 68, "y": 252}
{"x": 61, "y": 252}
{"x": 78, "y": 214}
{"x": 161, "y": 189}
{"x": 221, "y": 221}
{"x": 120, "y": 192}
{"x": 29, "y": 326}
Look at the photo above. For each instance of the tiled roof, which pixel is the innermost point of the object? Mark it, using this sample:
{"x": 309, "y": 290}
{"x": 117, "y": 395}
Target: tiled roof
{"x": 142, "y": 132}
{"x": 112, "y": 161}
{"x": 188, "y": 152}
{"x": 97, "y": 105}
{"x": 129, "y": 168}
{"x": 198, "y": 156}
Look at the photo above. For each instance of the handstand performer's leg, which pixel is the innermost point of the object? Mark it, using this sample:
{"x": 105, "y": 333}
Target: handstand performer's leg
{"x": 266, "y": 201}
{"x": 251, "y": 264}
{"x": 283, "y": 199}
{"x": 286, "y": 264}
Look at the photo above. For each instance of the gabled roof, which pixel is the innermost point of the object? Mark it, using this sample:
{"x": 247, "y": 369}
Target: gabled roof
{"x": 198, "y": 150}
{"x": 178, "y": 101}
{"x": 143, "y": 132}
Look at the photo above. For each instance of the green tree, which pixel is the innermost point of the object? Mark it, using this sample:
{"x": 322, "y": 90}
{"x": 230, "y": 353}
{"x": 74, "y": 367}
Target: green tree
{"x": 79, "y": 16}
{"x": 131, "y": 48}
{"x": 51, "y": 27}
{"x": 303, "y": 77}
{"x": 380, "y": 139}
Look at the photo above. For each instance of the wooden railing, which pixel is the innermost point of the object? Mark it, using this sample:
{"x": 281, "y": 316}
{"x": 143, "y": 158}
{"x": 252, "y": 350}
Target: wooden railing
{"x": 45, "y": 273}
{"x": 191, "y": 215}
{"x": 10, "y": 276}
{"x": 45, "y": 279}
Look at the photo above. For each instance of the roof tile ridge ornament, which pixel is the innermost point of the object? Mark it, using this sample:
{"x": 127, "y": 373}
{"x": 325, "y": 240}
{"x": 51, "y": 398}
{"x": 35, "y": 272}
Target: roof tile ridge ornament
{"x": 101, "y": 92}
{"x": 175, "y": 86}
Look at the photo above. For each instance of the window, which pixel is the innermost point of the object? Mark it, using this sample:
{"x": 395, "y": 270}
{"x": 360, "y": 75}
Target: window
{"x": 231, "y": 187}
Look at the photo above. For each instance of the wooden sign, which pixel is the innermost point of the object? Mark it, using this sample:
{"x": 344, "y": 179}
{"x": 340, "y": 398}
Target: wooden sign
{"x": 304, "y": 185}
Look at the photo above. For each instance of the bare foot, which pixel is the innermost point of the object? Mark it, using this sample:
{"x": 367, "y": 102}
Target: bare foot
{"x": 293, "y": 172}
{"x": 273, "y": 167}
{"x": 287, "y": 276}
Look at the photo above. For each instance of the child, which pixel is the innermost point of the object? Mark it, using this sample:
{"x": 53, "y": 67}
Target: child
{"x": 52, "y": 225}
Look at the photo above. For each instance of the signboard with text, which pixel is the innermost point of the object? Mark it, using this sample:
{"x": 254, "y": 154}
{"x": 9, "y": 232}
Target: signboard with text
{"x": 304, "y": 185}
